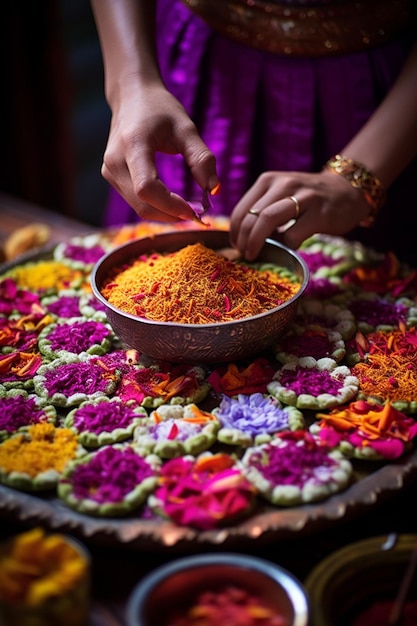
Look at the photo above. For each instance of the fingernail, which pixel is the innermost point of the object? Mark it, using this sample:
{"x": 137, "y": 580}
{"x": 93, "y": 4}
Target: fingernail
{"x": 215, "y": 190}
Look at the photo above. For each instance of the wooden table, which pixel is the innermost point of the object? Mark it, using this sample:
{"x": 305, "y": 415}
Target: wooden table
{"x": 116, "y": 569}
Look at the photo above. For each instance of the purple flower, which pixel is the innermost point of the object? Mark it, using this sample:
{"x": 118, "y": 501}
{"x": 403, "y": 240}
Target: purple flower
{"x": 78, "y": 336}
{"x": 65, "y": 306}
{"x": 110, "y": 475}
{"x": 313, "y": 382}
{"x": 71, "y": 378}
{"x": 18, "y": 411}
{"x": 103, "y": 417}
{"x": 254, "y": 414}
{"x": 292, "y": 464}
{"x": 87, "y": 255}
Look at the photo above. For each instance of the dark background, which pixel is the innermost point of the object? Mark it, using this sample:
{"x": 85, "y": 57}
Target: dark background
{"x": 54, "y": 119}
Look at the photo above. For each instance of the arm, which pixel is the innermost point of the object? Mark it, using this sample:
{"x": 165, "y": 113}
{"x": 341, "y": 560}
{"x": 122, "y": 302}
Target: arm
{"x": 329, "y": 204}
{"x": 146, "y": 118}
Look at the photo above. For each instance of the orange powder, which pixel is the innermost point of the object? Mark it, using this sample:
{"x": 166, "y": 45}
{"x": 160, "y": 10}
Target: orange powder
{"x": 195, "y": 285}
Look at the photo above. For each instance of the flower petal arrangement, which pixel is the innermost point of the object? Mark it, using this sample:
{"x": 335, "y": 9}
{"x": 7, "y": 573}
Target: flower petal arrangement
{"x": 293, "y": 469}
{"x": 34, "y": 460}
{"x": 203, "y": 492}
{"x": 175, "y": 430}
{"x": 111, "y": 433}
{"x": 314, "y": 384}
{"x": 112, "y": 481}
{"x": 19, "y": 410}
{"x": 254, "y": 419}
{"x": 366, "y": 430}
{"x": 104, "y": 421}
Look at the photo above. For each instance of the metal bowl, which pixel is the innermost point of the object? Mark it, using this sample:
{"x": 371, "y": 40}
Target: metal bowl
{"x": 179, "y": 583}
{"x": 198, "y": 343}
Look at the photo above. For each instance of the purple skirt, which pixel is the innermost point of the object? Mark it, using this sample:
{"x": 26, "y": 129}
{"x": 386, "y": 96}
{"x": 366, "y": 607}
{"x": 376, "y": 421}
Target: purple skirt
{"x": 258, "y": 111}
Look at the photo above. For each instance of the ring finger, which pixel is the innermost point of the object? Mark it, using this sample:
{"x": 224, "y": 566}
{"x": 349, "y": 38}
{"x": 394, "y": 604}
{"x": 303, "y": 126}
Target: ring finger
{"x": 260, "y": 223}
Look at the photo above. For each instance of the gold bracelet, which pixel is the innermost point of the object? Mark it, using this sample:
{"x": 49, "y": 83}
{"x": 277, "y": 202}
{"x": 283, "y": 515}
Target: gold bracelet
{"x": 361, "y": 178}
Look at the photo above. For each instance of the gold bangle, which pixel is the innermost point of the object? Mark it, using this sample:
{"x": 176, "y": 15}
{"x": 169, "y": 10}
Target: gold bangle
{"x": 361, "y": 178}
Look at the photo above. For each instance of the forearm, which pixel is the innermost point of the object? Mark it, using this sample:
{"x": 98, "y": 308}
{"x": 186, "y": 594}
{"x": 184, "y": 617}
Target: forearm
{"x": 388, "y": 142}
{"x": 126, "y": 30}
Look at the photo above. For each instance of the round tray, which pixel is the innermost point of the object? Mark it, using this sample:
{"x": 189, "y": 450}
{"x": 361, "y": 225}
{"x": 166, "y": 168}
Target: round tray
{"x": 268, "y": 524}
{"x": 373, "y": 483}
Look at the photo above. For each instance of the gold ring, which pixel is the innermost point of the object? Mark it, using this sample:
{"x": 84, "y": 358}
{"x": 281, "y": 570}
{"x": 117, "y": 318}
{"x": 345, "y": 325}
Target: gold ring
{"x": 297, "y": 207}
{"x": 253, "y": 212}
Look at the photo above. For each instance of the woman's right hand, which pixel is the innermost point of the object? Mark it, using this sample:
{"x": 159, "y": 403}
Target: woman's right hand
{"x": 146, "y": 120}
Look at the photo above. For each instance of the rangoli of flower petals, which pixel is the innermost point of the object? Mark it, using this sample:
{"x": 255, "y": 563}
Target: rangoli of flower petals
{"x": 112, "y": 481}
{"x": 22, "y": 333}
{"x": 63, "y": 306}
{"x": 68, "y": 382}
{"x": 233, "y": 378}
{"x": 104, "y": 421}
{"x": 175, "y": 430}
{"x": 325, "y": 289}
{"x": 92, "y": 308}
{"x": 80, "y": 252}
{"x": 76, "y": 336}
{"x": 315, "y": 342}
{"x": 248, "y": 419}
{"x": 375, "y": 313}
{"x": 19, "y": 368}
{"x": 204, "y": 493}
{"x": 34, "y": 295}
{"x": 383, "y": 277}
{"x": 47, "y": 276}
{"x": 157, "y": 385}
{"x": 314, "y": 384}
{"x": 293, "y": 469}
{"x": 18, "y": 410}
{"x": 388, "y": 378}
{"x": 34, "y": 460}
{"x": 315, "y": 313}
{"x": 333, "y": 256}
{"x": 366, "y": 430}
{"x": 13, "y": 299}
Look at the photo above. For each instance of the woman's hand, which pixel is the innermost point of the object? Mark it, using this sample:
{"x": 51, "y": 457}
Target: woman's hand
{"x": 327, "y": 204}
{"x": 146, "y": 121}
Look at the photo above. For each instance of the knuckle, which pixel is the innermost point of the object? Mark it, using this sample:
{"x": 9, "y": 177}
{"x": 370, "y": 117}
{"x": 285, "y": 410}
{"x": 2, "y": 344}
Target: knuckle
{"x": 142, "y": 188}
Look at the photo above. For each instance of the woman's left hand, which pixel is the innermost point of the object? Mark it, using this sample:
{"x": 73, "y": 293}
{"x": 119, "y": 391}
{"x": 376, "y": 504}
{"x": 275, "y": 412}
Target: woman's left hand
{"x": 292, "y": 206}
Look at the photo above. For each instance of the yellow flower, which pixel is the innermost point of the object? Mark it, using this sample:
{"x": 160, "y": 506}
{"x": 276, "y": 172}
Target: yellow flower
{"x": 35, "y": 567}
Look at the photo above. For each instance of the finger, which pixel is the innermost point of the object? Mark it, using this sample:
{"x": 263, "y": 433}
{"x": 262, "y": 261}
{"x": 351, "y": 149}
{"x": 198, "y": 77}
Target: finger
{"x": 123, "y": 185}
{"x": 200, "y": 160}
{"x": 260, "y": 223}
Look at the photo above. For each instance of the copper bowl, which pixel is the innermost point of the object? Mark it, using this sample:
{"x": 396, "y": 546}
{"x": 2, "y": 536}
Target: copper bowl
{"x": 177, "y": 584}
{"x": 199, "y": 343}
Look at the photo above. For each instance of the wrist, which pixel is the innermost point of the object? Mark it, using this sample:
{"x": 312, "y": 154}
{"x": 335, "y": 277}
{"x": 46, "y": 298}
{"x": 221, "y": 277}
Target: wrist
{"x": 361, "y": 178}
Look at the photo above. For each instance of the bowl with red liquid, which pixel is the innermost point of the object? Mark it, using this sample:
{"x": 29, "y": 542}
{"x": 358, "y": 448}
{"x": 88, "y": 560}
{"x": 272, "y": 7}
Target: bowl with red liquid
{"x": 359, "y": 584}
{"x": 218, "y": 589}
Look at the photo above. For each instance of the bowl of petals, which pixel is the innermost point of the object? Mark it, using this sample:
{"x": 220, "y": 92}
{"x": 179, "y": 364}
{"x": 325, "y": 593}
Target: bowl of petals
{"x": 223, "y": 588}
{"x": 181, "y": 297}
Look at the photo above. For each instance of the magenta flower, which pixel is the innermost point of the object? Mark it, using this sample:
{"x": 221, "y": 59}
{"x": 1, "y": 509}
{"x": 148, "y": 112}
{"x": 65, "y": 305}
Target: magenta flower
{"x": 110, "y": 475}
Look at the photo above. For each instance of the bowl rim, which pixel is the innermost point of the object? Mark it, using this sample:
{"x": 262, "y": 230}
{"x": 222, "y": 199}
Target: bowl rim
{"x": 288, "y": 581}
{"x": 150, "y": 322}
{"x": 343, "y": 559}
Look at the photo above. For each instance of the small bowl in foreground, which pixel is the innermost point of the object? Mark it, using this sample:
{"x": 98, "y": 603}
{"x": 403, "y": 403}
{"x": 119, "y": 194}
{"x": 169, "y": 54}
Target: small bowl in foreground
{"x": 178, "y": 584}
{"x": 199, "y": 343}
